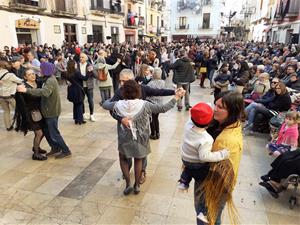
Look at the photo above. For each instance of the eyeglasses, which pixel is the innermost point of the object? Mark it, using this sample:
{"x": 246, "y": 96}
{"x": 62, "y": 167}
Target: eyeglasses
{"x": 274, "y": 82}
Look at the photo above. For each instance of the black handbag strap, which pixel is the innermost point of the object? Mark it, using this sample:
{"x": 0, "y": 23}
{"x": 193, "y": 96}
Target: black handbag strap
{"x": 3, "y": 75}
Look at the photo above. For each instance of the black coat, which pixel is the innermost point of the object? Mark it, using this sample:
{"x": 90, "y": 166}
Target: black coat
{"x": 146, "y": 92}
{"x": 75, "y": 90}
{"x": 280, "y": 103}
{"x": 183, "y": 71}
{"x": 284, "y": 165}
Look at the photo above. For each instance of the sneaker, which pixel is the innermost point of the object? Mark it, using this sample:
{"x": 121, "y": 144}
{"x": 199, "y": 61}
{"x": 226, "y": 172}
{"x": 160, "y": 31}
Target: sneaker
{"x": 202, "y": 217}
{"x": 92, "y": 118}
{"x": 63, "y": 155}
{"x": 86, "y": 116}
{"x": 53, "y": 152}
{"x": 182, "y": 186}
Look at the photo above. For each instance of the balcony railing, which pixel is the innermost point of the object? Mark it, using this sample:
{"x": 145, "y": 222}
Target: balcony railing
{"x": 182, "y": 27}
{"x": 28, "y": 5}
{"x": 137, "y": 1}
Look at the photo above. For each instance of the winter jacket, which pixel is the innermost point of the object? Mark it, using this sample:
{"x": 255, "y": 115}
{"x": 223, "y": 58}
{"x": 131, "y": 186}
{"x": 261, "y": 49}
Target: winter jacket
{"x": 183, "y": 71}
{"x": 8, "y": 83}
{"x": 50, "y": 101}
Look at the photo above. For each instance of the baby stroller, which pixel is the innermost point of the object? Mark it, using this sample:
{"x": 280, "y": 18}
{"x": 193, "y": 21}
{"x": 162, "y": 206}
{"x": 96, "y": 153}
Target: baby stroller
{"x": 293, "y": 180}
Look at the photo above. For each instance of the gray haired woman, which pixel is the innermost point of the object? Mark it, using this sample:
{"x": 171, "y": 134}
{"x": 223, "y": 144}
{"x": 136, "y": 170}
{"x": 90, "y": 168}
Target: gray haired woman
{"x": 104, "y": 78}
{"x": 156, "y": 82}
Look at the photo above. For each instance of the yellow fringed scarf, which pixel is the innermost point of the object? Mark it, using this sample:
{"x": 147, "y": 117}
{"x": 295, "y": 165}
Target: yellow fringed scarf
{"x": 217, "y": 188}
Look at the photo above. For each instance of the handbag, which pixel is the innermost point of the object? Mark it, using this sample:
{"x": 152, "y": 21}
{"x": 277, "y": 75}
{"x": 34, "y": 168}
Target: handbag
{"x": 36, "y": 115}
{"x": 102, "y": 76}
{"x": 203, "y": 69}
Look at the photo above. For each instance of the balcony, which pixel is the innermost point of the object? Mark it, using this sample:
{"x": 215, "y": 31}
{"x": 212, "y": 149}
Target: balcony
{"x": 287, "y": 11}
{"x": 182, "y": 27}
{"x": 131, "y": 21}
{"x": 67, "y": 8}
{"x": 28, "y": 5}
{"x": 116, "y": 8}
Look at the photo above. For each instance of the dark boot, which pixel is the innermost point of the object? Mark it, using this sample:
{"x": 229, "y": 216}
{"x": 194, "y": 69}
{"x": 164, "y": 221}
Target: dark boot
{"x": 37, "y": 156}
{"x": 41, "y": 151}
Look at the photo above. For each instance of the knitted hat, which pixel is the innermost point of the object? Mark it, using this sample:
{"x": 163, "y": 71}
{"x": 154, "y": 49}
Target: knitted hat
{"x": 201, "y": 114}
{"x": 47, "y": 69}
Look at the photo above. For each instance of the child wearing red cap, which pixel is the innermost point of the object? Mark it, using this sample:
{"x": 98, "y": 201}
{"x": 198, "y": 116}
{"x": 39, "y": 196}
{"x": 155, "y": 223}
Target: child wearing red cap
{"x": 196, "y": 147}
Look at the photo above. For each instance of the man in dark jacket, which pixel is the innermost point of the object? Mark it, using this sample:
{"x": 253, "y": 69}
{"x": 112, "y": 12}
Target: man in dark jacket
{"x": 183, "y": 76}
{"x": 17, "y": 68}
{"x": 294, "y": 82}
{"x": 125, "y": 75}
{"x": 51, "y": 109}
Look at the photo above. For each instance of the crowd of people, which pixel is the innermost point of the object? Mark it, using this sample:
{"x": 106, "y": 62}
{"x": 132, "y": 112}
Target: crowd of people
{"x": 252, "y": 83}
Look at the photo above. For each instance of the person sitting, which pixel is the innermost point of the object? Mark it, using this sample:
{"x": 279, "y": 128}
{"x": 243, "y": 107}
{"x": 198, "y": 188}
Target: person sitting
{"x": 288, "y": 135}
{"x": 260, "y": 87}
{"x": 243, "y": 75}
{"x": 251, "y": 83}
{"x": 283, "y": 166}
{"x": 222, "y": 80}
{"x": 294, "y": 82}
{"x": 265, "y": 111}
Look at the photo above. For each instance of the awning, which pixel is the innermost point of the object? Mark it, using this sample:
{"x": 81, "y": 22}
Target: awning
{"x": 150, "y": 35}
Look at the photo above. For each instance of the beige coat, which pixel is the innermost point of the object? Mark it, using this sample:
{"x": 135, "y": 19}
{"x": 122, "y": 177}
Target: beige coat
{"x": 106, "y": 67}
{"x": 8, "y": 84}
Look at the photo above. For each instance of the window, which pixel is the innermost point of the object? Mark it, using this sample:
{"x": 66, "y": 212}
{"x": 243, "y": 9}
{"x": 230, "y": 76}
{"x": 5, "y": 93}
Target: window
{"x": 70, "y": 32}
{"x": 60, "y": 5}
{"x": 206, "y": 20}
{"x": 96, "y": 4}
{"x": 151, "y": 19}
{"x": 28, "y": 2}
{"x": 157, "y": 21}
{"x": 140, "y": 11}
{"x": 98, "y": 33}
{"x": 162, "y": 23}
{"x": 182, "y": 22}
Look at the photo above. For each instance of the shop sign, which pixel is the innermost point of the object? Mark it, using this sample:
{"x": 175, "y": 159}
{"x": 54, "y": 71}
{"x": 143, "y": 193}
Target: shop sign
{"x": 27, "y": 23}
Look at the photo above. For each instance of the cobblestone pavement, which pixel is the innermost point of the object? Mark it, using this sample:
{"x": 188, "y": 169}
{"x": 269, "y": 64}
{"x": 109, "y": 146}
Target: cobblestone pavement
{"x": 87, "y": 188}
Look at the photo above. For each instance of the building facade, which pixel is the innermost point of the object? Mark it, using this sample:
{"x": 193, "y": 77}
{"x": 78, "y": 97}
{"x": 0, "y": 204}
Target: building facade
{"x": 56, "y": 21}
{"x": 276, "y": 21}
{"x": 196, "y": 18}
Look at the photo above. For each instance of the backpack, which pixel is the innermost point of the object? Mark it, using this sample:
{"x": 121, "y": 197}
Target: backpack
{"x": 102, "y": 76}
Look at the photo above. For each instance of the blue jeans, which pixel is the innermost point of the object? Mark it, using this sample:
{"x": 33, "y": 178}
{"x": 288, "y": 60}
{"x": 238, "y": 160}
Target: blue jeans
{"x": 190, "y": 171}
{"x": 90, "y": 97}
{"x": 251, "y": 109}
{"x": 105, "y": 95}
{"x": 53, "y": 135}
{"x": 199, "y": 201}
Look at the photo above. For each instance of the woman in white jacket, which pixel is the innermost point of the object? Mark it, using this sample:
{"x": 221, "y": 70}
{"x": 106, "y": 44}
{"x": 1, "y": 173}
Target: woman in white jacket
{"x": 104, "y": 85}
{"x": 8, "y": 85}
